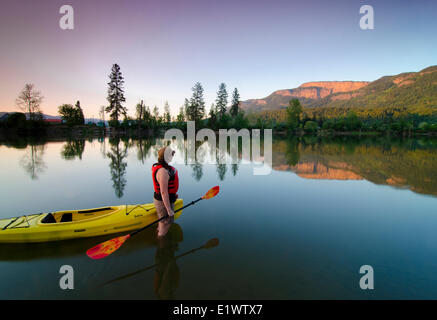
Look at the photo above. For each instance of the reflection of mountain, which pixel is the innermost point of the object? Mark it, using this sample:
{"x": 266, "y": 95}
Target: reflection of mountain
{"x": 316, "y": 170}
{"x": 407, "y": 163}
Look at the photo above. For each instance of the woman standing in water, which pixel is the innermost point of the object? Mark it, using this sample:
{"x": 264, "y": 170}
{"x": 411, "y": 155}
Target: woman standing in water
{"x": 166, "y": 184}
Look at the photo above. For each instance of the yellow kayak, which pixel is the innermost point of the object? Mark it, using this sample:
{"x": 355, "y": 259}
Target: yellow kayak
{"x": 72, "y": 224}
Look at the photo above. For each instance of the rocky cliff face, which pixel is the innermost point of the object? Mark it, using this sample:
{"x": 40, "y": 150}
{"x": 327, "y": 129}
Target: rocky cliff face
{"x": 307, "y": 93}
{"x": 411, "y": 90}
{"x": 336, "y": 86}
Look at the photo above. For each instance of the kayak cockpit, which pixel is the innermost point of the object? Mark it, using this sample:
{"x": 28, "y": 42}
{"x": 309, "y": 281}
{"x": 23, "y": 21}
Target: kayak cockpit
{"x": 75, "y": 216}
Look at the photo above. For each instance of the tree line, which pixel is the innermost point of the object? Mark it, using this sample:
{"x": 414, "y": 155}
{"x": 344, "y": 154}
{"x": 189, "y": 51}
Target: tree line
{"x": 223, "y": 114}
{"x": 298, "y": 119}
{"x": 220, "y": 115}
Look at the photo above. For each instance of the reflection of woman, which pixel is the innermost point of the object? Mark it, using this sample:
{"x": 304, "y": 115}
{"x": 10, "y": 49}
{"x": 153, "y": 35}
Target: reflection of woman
{"x": 166, "y": 184}
{"x": 167, "y": 272}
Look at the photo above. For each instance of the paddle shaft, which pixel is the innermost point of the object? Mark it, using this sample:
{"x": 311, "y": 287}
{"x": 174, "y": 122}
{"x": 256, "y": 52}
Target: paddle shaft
{"x": 164, "y": 217}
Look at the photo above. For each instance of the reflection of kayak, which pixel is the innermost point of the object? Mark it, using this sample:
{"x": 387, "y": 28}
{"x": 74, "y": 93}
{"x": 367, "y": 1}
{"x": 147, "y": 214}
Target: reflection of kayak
{"x": 63, "y": 225}
{"x": 75, "y": 247}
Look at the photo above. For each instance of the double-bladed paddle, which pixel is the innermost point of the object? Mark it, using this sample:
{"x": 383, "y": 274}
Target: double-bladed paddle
{"x": 104, "y": 249}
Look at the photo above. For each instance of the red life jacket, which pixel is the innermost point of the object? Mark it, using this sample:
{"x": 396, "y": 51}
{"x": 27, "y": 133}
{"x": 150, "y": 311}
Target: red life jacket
{"x": 173, "y": 181}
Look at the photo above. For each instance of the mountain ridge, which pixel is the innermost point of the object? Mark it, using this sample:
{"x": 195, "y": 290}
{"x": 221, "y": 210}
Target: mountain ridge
{"x": 409, "y": 89}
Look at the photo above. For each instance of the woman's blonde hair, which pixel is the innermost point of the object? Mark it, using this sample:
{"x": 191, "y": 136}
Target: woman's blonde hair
{"x": 163, "y": 154}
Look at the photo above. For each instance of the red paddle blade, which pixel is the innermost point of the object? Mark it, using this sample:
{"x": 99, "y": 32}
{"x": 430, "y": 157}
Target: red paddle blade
{"x": 104, "y": 249}
{"x": 211, "y": 243}
{"x": 211, "y": 193}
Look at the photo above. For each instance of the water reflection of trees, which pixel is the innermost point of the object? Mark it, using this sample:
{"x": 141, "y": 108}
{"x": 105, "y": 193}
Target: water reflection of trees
{"x": 292, "y": 152}
{"x": 197, "y": 159}
{"x": 73, "y": 149}
{"x": 144, "y": 148}
{"x": 32, "y": 162}
{"x": 117, "y": 154}
{"x": 204, "y": 151}
{"x": 197, "y": 171}
{"x": 395, "y": 161}
{"x": 234, "y": 169}
{"x": 221, "y": 171}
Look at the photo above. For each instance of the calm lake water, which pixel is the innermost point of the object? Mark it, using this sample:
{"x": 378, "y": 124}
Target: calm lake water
{"x": 328, "y": 207}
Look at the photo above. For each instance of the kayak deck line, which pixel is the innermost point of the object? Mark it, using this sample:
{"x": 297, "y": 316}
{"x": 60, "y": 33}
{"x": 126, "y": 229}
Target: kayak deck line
{"x": 25, "y": 219}
{"x": 10, "y": 223}
{"x": 94, "y": 210}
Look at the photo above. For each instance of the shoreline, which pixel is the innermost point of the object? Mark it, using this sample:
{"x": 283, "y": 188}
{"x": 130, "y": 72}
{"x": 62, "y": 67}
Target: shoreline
{"x": 59, "y": 133}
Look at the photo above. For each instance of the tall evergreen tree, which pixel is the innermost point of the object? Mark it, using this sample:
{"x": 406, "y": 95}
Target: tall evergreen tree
{"x": 235, "y": 103}
{"x": 140, "y": 112}
{"x": 186, "y": 108}
{"x": 140, "y": 108}
{"x": 181, "y": 116}
{"x": 156, "y": 116}
{"x": 116, "y": 94}
{"x": 196, "y": 107}
{"x": 102, "y": 115}
{"x": 167, "y": 115}
{"x": 212, "y": 121}
{"x": 147, "y": 117}
{"x": 79, "y": 117}
{"x": 222, "y": 100}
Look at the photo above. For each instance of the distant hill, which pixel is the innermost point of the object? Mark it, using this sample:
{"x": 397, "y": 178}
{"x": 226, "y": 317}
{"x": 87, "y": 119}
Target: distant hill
{"x": 47, "y": 116}
{"x": 307, "y": 93}
{"x": 415, "y": 92}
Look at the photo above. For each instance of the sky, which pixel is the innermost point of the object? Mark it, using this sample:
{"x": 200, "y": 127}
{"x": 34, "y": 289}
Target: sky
{"x": 164, "y": 47}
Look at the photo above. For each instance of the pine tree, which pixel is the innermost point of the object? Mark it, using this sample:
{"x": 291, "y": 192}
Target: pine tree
{"x": 181, "y": 116}
{"x": 235, "y": 103}
{"x": 156, "y": 117}
{"x": 212, "y": 121}
{"x": 196, "y": 107}
{"x": 140, "y": 112}
{"x": 102, "y": 115}
{"x": 116, "y": 94}
{"x": 79, "y": 117}
{"x": 167, "y": 115}
{"x": 186, "y": 107}
{"x": 222, "y": 100}
{"x": 147, "y": 117}
{"x": 140, "y": 108}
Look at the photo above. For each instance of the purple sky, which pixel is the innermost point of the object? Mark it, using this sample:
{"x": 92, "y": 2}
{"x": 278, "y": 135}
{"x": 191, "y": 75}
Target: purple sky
{"x": 163, "y": 47}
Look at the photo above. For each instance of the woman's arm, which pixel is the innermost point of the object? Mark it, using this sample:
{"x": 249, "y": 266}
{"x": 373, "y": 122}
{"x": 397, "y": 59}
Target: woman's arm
{"x": 163, "y": 177}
